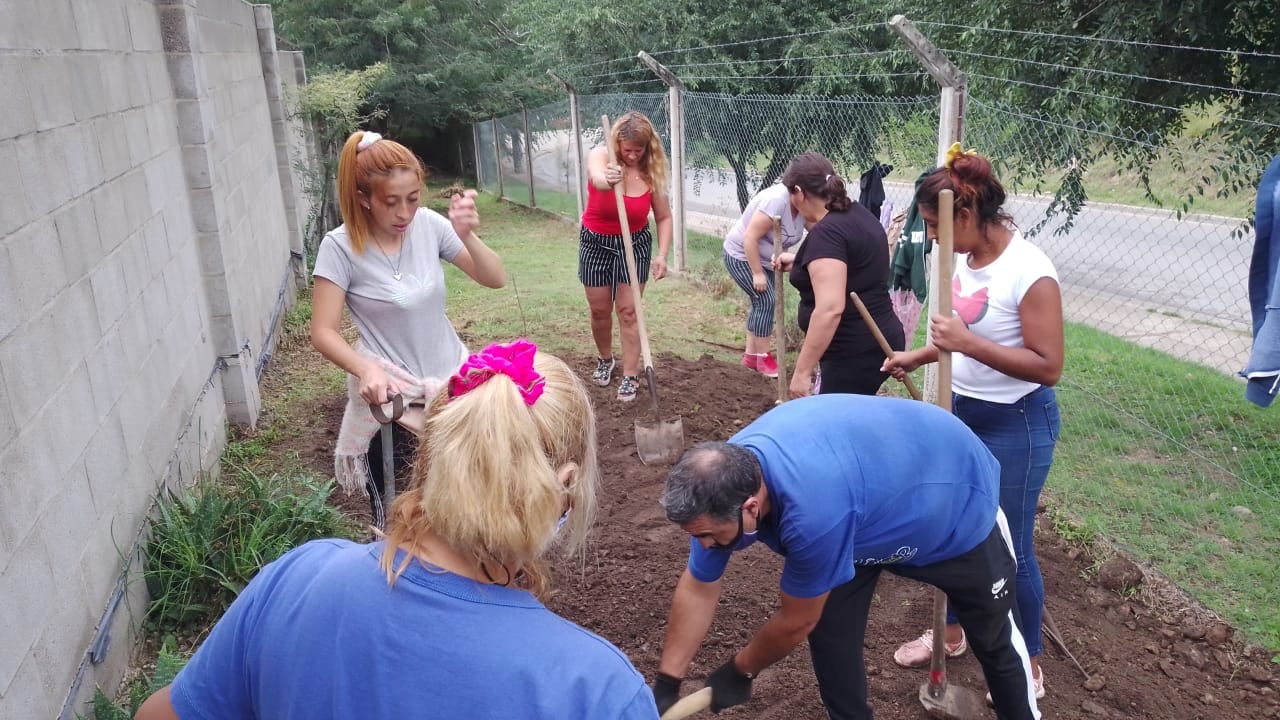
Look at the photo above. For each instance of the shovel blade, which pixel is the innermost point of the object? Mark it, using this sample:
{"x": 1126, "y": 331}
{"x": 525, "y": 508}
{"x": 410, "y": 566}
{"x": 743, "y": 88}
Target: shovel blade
{"x": 659, "y": 442}
{"x": 954, "y": 703}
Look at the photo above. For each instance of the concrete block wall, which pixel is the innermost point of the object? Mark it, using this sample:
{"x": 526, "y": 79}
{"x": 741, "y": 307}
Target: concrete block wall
{"x": 145, "y": 241}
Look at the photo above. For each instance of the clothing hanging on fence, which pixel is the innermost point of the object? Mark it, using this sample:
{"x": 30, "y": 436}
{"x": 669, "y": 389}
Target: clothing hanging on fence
{"x": 908, "y": 274}
{"x": 1263, "y": 370}
{"x": 871, "y": 183}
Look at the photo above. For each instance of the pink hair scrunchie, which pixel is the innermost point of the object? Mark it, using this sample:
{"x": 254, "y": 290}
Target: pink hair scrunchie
{"x": 515, "y": 360}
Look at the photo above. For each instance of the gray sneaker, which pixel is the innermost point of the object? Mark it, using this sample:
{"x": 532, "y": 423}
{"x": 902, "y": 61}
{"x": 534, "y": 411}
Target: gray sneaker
{"x": 603, "y": 374}
{"x": 627, "y": 388}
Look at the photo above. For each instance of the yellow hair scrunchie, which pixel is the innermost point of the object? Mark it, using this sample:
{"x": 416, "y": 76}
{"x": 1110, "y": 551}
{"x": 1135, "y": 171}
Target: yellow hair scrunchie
{"x": 955, "y": 151}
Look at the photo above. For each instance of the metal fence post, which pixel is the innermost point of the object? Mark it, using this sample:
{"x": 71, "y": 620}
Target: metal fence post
{"x": 528, "y": 152}
{"x": 497, "y": 155}
{"x": 475, "y": 146}
{"x": 675, "y": 108}
{"x": 575, "y": 123}
{"x": 950, "y": 130}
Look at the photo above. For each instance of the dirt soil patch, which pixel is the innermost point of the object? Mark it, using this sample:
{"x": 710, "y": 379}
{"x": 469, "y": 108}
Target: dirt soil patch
{"x": 1146, "y": 661}
{"x": 1150, "y": 653}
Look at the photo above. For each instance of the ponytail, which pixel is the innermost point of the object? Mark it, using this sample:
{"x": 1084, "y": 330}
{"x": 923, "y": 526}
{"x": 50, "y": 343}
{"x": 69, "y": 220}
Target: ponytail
{"x": 358, "y": 170}
{"x": 813, "y": 173}
{"x": 487, "y": 476}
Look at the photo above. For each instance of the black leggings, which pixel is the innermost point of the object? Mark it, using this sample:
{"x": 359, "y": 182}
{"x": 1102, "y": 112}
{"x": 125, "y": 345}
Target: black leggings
{"x": 855, "y": 374}
{"x": 979, "y": 585}
{"x": 404, "y": 444}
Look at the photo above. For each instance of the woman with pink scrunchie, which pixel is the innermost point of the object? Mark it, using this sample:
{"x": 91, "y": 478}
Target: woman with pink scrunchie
{"x": 448, "y": 607}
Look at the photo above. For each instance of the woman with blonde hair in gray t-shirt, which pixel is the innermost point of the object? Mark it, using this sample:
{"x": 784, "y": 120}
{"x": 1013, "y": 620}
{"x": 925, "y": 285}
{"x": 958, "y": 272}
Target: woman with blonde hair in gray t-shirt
{"x": 383, "y": 264}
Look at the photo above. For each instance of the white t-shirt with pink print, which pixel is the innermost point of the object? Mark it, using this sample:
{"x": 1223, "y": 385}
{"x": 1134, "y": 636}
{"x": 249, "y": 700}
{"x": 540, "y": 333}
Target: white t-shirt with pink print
{"x": 987, "y": 299}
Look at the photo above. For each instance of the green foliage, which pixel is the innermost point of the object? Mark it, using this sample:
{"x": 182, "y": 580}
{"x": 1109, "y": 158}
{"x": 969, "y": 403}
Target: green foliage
{"x": 167, "y": 665}
{"x": 207, "y": 545}
{"x": 451, "y": 60}
{"x": 336, "y": 103}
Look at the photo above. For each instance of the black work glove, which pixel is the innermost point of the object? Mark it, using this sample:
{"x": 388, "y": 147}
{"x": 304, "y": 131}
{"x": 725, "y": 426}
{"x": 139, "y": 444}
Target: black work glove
{"x": 729, "y": 686}
{"x": 666, "y": 690}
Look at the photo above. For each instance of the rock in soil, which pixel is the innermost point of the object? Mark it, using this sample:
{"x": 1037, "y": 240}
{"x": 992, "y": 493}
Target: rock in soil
{"x": 1218, "y": 635}
{"x": 1093, "y": 708}
{"x": 1095, "y": 683}
{"x": 1120, "y": 574}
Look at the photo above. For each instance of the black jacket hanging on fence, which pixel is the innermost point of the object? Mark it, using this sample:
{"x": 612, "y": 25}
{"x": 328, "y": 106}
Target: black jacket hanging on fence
{"x": 872, "y": 187}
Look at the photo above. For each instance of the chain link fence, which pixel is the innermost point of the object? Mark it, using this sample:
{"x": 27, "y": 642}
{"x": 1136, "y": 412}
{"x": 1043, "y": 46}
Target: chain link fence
{"x": 1155, "y": 297}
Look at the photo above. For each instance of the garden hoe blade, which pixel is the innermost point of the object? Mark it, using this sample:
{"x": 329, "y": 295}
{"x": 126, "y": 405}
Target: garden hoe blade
{"x": 658, "y": 441}
{"x": 940, "y": 699}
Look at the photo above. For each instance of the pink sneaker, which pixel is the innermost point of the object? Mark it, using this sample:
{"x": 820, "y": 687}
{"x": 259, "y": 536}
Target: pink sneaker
{"x": 766, "y": 365}
{"x": 749, "y": 361}
{"x": 919, "y": 652}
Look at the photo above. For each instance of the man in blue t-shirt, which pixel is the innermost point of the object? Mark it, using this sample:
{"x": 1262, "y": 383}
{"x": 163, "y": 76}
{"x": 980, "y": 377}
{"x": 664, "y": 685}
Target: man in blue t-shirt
{"x": 841, "y": 487}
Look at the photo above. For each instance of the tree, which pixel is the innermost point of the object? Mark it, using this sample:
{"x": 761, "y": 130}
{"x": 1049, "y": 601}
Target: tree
{"x": 450, "y": 61}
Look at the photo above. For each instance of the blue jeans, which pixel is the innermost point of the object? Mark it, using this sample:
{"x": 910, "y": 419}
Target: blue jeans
{"x": 1021, "y": 435}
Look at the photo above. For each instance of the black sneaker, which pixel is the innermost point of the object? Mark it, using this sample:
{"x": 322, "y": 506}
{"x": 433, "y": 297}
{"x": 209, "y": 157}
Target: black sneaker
{"x": 627, "y": 388}
{"x": 603, "y": 374}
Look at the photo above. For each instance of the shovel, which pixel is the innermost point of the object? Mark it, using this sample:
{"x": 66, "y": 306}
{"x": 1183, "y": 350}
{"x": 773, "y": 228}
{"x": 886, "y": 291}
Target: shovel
{"x": 941, "y": 700}
{"x": 658, "y": 441}
{"x": 779, "y": 313}
{"x": 382, "y": 503}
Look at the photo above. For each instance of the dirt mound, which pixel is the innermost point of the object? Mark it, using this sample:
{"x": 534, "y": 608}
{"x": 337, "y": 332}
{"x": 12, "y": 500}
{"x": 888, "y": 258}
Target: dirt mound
{"x": 1145, "y": 662}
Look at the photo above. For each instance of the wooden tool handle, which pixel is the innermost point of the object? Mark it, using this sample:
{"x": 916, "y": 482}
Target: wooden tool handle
{"x": 628, "y": 251}
{"x": 946, "y": 246}
{"x": 884, "y": 344}
{"x": 779, "y": 313}
{"x": 688, "y": 705}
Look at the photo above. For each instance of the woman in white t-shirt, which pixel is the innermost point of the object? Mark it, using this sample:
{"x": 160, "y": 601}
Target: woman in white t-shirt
{"x": 748, "y": 256}
{"x": 1007, "y": 337}
{"x": 383, "y": 264}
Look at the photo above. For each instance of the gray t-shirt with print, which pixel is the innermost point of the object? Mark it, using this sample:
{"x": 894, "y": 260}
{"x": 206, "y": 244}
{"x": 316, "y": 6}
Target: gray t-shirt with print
{"x": 401, "y": 320}
{"x": 772, "y": 201}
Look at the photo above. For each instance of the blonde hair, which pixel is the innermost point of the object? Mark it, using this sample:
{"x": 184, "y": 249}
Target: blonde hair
{"x": 634, "y": 127}
{"x": 486, "y": 477}
{"x": 360, "y": 171}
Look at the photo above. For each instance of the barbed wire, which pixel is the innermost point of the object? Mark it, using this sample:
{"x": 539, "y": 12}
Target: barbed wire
{"x": 625, "y": 84}
{"x": 1086, "y": 93}
{"x": 1111, "y": 73}
{"x": 848, "y": 28}
{"x": 833, "y": 76}
{"x": 825, "y": 99}
{"x": 1116, "y": 41}
{"x": 869, "y": 53}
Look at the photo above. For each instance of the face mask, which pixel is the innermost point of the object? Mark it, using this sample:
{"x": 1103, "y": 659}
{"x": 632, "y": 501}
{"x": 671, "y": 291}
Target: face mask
{"x": 739, "y": 541}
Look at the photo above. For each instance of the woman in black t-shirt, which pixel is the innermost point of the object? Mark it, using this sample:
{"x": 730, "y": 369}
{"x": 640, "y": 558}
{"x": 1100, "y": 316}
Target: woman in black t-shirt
{"x": 846, "y": 249}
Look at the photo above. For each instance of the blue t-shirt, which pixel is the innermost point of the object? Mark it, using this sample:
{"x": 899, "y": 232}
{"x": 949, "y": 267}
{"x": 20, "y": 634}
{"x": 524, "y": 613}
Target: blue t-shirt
{"x": 863, "y": 480}
{"x": 319, "y": 634}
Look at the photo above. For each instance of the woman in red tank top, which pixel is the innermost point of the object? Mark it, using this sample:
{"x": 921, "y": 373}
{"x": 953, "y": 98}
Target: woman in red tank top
{"x": 602, "y": 266}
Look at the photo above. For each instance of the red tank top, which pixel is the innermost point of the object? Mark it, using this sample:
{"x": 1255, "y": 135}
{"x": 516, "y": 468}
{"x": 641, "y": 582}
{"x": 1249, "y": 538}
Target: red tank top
{"x": 601, "y": 215}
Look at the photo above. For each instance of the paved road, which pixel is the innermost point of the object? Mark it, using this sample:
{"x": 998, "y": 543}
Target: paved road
{"x": 1138, "y": 273}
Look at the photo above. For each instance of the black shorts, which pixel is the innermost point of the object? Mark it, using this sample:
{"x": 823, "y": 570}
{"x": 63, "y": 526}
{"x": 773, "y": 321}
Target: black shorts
{"x": 603, "y": 263}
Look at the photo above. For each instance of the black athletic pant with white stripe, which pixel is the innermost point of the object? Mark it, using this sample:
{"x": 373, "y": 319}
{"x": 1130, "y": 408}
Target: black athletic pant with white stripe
{"x": 979, "y": 585}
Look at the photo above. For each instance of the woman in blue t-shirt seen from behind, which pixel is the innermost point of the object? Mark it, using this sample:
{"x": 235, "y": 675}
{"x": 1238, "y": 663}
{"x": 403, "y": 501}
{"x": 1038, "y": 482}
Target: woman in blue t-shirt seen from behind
{"x": 443, "y": 618}
{"x": 845, "y": 250}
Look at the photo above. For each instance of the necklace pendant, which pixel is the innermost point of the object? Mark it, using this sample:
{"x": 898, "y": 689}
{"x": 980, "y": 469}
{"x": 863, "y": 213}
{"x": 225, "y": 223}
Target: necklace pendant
{"x": 396, "y": 276}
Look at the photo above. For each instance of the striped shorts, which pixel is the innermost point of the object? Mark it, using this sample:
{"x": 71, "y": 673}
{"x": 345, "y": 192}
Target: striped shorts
{"x": 760, "y": 316}
{"x": 603, "y": 263}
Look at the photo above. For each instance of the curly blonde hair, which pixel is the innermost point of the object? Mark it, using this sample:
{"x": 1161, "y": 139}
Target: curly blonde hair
{"x": 634, "y": 127}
